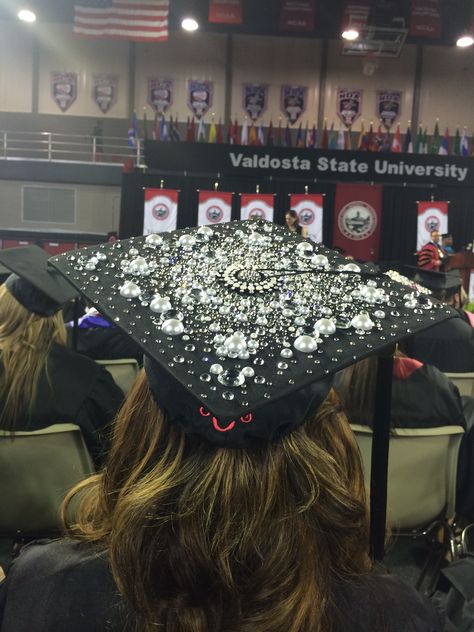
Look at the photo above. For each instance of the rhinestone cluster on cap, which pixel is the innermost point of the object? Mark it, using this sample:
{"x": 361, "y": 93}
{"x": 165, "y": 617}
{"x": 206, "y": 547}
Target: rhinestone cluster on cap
{"x": 244, "y": 311}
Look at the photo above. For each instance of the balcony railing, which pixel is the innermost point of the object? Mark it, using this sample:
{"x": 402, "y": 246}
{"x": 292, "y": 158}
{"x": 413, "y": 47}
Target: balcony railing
{"x": 52, "y": 147}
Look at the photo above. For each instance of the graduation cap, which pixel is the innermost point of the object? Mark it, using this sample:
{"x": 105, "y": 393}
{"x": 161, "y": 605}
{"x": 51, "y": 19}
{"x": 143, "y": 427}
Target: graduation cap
{"x": 34, "y": 284}
{"x": 244, "y": 324}
{"x": 447, "y": 282}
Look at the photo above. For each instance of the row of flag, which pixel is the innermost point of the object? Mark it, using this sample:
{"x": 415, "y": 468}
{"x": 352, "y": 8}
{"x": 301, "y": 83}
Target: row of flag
{"x": 370, "y": 139}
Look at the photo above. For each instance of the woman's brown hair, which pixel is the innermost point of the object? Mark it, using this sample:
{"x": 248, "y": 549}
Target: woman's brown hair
{"x": 207, "y": 539}
{"x": 25, "y": 341}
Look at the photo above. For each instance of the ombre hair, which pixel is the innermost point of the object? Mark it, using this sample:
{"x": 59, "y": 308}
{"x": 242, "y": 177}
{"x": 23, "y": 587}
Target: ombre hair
{"x": 208, "y": 539}
{"x": 25, "y": 341}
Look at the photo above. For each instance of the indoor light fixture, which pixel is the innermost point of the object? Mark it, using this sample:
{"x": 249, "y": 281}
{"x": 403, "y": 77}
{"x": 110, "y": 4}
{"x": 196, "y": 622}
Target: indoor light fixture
{"x": 350, "y": 34}
{"x": 465, "y": 40}
{"x": 189, "y": 24}
{"x": 26, "y": 15}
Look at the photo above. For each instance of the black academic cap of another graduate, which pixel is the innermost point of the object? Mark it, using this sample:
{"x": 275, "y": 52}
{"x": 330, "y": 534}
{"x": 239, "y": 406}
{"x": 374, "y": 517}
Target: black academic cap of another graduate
{"x": 34, "y": 283}
{"x": 447, "y": 282}
{"x": 244, "y": 324}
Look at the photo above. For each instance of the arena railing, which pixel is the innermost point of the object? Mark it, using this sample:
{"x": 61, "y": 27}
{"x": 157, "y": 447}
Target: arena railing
{"x": 54, "y": 147}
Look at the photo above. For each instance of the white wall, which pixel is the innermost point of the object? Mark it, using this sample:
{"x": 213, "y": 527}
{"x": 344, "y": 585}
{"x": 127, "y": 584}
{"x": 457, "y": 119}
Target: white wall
{"x": 16, "y": 70}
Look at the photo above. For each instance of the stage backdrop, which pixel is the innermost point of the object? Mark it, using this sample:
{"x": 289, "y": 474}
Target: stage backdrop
{"x": 214, "y": 207}
{"x": 431, "y": 216}
{"x": 161, "y": 210}
{"x": 357, "y": 220}
{"x": 310, "y": 213}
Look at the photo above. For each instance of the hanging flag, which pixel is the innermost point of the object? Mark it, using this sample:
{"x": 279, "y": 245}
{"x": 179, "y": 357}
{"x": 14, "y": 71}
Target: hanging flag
{"x": 309, "y": 208}
{"x": 360, "y": 143}
{"x": 122, "y": 19}
{"x": 397, "y": 141}
{"x": 435, "y": 140}
{"x": 212, "y": 132}
{"x": 386, "y": 144}
{"x": 425, "y": 19}
{"x": 156, "y": 127}
{"x": 214, "y": 207}
{"x": 464, "y": 143}
{"x": 191, "y": 131}
{"x": 341, "y": 138}
{"x": 288, "y": 140}
{"x": 407, "y": 142}
{"x": 293, "y": 102}
{"x": 299, "y": 137}
{"x": 244, "y": 135}
{"x": 160, "y": 211}
{"x": 419, "y": 141}
{"x": 444, "y": 145}
{"x": 297, "y": 16}
{"x": 425, "y": 141}
{"x": 160, "y": 94}
{"x": 253, "y": 134}
{"x": 260, "y": 135}
{"x": 325, "y": 139}
{"x": 357, "y": 220}
{"x": 133, "y": 131}
{"x": 174, "y": 129}
{"x": 270, "y": 138}
{"x": 431, "y": 216}
{"x": 219, "y": 133}
{"x": 332, "y": 143}
{"x": 200, "y": 95}
{"x": 254, "y": 99}
{"x": 457, "y": 143}
{"x": 348, "y": 105}
{"x": 378, "y": 141}
{"x": 257, "y": 205}
{"x": 225, "y": 11}
{"x": 279, "y": 140}
{"x": 311, "y": 137}
{"x": 201, "y": 134}
{"x": 230, "y": 132}
{"x": 370, "y": 138}
{"x": 163, "y": 129}
{"x": 388, "y": 106}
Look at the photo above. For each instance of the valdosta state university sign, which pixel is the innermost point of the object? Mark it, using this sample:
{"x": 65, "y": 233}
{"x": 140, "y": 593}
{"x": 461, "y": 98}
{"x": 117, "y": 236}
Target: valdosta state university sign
{"x": 308, "y": 164}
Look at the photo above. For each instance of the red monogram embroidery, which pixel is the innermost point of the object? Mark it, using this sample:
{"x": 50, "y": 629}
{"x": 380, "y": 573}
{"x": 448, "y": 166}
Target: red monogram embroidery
{"x": 246, "y": 419}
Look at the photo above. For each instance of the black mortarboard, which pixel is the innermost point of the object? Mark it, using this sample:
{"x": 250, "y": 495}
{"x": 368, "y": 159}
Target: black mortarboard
{"x": 444, "y": 235}
{"x": 34, "y": 284}
{"x": 243, "y": 324}
{"x": 448, "y": 282}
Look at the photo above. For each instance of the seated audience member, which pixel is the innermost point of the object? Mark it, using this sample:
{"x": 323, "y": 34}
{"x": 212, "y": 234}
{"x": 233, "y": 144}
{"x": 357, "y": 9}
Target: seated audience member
{"x": 422, "y": 397}
{"x": 100, "y": 339}
{"x": 41, "y": 381}
{"x": 233, "y": 495}
{"x": 431, "y": 256}
{"x": 449, "y": 346}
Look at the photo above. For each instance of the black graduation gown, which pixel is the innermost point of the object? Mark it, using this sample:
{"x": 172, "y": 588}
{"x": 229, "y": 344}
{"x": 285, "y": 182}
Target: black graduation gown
{"x": 75, "y": 389}
{"x": 67, "y": 585}
{"x": 105, "y": 343}
{"x": 449, "y": 346}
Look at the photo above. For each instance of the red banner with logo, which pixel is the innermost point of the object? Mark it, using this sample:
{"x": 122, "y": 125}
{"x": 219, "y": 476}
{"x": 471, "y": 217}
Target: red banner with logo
{"x": 225, "y": 11}
{"x": 431, "y": 216}
{"x": 214, "y": 207}
{"x": 297, "y": 15}
{"x": 355, "y": 15}
{"x": 425, "y": 18}
{"x": 257, "y": 205}
{"x": 357, "y": 220}
{"x": 309, "y": 208}
{"x": 161, "y": 210}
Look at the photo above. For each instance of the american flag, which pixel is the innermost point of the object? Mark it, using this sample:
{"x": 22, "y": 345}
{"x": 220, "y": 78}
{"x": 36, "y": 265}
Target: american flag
{"x": 137, "y": 20}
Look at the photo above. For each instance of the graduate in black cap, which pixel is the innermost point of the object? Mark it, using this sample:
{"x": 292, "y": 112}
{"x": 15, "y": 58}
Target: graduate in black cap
{"x": 233, "y": 496}
{"x": 449, "y": 346}
{"x": 41, "y": 381}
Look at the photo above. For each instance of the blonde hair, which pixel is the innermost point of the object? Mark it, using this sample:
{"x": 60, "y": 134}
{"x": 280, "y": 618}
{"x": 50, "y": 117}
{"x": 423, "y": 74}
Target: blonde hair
{"x": 207, "y": 539}
{"x": 25, "y": 341}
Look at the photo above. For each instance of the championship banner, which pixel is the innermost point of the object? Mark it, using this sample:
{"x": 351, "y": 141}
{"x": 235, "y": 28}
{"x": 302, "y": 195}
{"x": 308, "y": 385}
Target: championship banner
{"x": 161, "y": 210}
{"x": 225, "y": 11}
{"x": 293, "y": 102}
{"x": 357, "y": 220}
{"x": 254, "y": 97}
{"x": 104, "y": 91}
{"x": 160, "y": 94}
{"x": 257, "y": 205}
{"x": 64, "y": 89}
{"x": 214, "y": 207}
{"x": 349, "y": 105}
{"x": 431, "y": 216}
{"x": 355, "y": 15}
{"x": 425, "y": 19}
{"x": 200, "y": 94}
{"x": 388, "y": 106}
{"x": 309, "y": 208}
{"x": 297, "y": 15}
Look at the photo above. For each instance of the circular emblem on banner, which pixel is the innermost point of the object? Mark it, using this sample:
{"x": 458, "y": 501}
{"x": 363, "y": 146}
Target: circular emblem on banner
{"x": 160, "y": 211}
{"x": 357, "y": 220}
{"x": 432, "y": 222}
{"x": 258, "y": 213}
{"x": 214, "y": 214}
{"x": 306, "y": 216}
